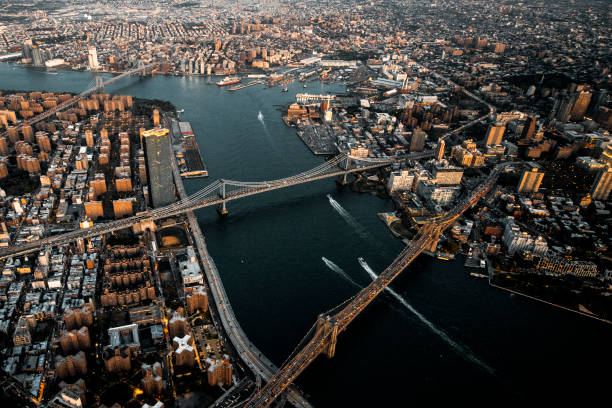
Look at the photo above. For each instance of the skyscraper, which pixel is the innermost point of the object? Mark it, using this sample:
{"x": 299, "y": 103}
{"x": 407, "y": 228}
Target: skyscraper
{"x": 602, "y": 185}
{"x": 157, "y": 148}
{"x": 39, "y": 56}
{"x": 417, "y": 142}
{"x": 440, "y": 149}
{"x": 529, "y": 128}
{"x": 92, "y": 58}
{"x": 580, "y": 106}
{"x": 600, "y": 97}
{"x": 531, "y": 179}
{"x": 565, "y": 108}
{"x": 26, "y": 50}
{"x": 494, "y": 134}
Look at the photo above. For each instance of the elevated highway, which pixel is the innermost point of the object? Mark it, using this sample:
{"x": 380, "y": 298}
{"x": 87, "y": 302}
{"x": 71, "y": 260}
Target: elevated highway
{"x": 255, "y": 360}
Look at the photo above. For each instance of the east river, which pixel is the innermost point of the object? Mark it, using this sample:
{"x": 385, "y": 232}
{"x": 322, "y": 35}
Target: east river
{"x": 450, "y": 339}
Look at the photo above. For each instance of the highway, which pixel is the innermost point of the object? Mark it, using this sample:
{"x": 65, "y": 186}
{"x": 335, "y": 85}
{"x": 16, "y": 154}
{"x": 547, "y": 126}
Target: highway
{"x": 257, "y": 362}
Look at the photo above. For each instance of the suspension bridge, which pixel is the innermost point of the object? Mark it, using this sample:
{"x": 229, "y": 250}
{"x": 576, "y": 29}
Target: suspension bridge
{"x": 217, "y": 193}
{"x": 96, "y": 85}
{"x": 323, "y": 335}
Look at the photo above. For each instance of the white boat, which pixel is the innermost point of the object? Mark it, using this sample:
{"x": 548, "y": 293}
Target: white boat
{"x": 362, "y": 262}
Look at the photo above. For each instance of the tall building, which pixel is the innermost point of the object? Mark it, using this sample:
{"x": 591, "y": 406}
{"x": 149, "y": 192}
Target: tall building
{"x": 219, "y": 371}
{"x": 440, "y": 149}
{"x": 39, "y": 56}
{"x": 580, "y": 106}
{"x": 600, "y": 98}
{"x": 447, "y": 175}
{"x": 400, "y": 180}
{"x": 494, "y": 134}
{"x": 161, "y": 185}
{"x": 602, "y": 185}
{"x": 417, "y": 142}
{"x": 531, "y": 179}
{"x": 26, "y": 50}
{"x": 565, "y": 108}
{"x": 529, "y": 128}
{"x": 92, "y": 58}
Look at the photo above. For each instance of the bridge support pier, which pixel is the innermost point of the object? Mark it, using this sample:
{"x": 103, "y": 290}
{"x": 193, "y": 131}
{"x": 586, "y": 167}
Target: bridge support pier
{"x": 329, "y": 327}
{"x": 341, "y": 181}
{"x": 222, "y": 209}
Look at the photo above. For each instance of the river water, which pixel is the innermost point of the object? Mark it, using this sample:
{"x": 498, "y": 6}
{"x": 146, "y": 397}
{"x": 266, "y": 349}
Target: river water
{"x": 458, "y": 340}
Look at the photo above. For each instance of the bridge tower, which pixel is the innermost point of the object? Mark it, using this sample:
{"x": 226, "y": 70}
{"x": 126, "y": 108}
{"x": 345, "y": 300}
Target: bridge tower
{"x": 221, "y": 209}
{"x": 329, "y": 327}
{"x": 141, "y": 66}
{"x": 345, "y": 165}
{"x": 99, "y": 83}
{"x": 435, "y": 237}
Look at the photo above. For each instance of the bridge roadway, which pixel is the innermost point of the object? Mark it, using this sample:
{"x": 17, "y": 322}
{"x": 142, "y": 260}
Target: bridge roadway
{"x": 257, "y": 362}
{"x": 75, "y": 99}
{"x": 214, "y": 194}
{"x": 326, "y": 333}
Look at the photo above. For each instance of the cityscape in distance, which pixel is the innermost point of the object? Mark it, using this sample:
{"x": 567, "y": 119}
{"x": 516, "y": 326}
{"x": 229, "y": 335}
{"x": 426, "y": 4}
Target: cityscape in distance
{"x": 305, "y": 203}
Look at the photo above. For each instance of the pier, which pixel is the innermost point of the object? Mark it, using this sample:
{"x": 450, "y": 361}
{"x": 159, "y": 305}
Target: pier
{"x": 194, "y": 163}
{"x": 248, "y": 84}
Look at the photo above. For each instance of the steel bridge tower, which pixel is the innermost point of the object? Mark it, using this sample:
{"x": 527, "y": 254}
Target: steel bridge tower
{"x": 329, "y": 326}
{"x": 222, "y": 209}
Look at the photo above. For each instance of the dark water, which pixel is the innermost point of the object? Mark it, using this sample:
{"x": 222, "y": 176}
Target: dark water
{"x": 269, "y": 253}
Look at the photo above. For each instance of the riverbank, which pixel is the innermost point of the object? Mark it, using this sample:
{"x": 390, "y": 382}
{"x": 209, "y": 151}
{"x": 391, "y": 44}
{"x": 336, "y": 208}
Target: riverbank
{"x": 268, "y": 252}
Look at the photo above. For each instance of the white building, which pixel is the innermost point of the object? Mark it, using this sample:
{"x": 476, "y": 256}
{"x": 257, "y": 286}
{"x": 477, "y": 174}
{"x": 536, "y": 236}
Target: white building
{"x": 517, "y": 240}
{"x": 437, "y": 195}
{"x": 92, "y": 58}
{"x": 190, "y": 269}
{"x": 400, "y": 181}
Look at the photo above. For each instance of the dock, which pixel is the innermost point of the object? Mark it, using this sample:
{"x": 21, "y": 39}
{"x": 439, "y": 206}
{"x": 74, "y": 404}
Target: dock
{"x": 248, "y": 84}
{"x": 194, "y": 163}
{"x": 319, "y": 139}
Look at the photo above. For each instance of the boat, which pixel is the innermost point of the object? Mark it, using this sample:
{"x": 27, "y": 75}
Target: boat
{"x": 444, "y": 256}
{"x": 229, "y": 81}
{"x": 478, "y": 275}
{"x": 285, "y": 89}
{"x": 363, "y": 263}
{"x": 305, "y": 86}
{"x": 180, "y": 111}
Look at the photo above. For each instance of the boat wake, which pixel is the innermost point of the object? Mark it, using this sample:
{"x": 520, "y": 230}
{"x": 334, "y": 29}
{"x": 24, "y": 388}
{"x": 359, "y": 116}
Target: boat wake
{"x": 269, "y": 138}
{"x": 339, "y": 271}
{"x": 348, "y": 217}
{"x": 464, "y": 351}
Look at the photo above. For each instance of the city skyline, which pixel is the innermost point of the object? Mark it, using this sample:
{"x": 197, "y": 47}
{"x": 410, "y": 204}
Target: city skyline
{"x": 192, "y": 194}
